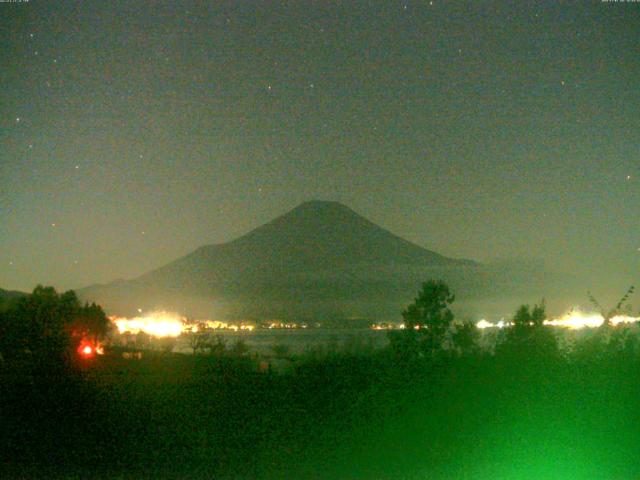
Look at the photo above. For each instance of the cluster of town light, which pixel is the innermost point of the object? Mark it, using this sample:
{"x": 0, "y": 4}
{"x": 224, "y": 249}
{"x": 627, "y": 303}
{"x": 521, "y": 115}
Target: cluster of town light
{"x": 157, "y": 324}
{"x": 163, "y": 324}
{"x": 574, "y": 320}
{"x": 215, "y": 325}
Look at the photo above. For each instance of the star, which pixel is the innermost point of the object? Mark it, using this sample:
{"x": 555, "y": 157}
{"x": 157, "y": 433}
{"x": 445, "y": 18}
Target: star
{"x": 18, "y": 119}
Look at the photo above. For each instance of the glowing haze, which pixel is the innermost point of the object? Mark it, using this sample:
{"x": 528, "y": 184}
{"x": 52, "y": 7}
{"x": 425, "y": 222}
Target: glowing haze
{"x": 574, "y": 320}
{"x": 165, "y": 324}
{"x": 156, "y": 324}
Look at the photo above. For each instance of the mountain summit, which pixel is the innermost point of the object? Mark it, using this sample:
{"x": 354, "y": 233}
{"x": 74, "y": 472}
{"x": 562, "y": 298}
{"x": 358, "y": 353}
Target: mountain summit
{"x": 317, "y": 235}
{"x": 319, "y": 257}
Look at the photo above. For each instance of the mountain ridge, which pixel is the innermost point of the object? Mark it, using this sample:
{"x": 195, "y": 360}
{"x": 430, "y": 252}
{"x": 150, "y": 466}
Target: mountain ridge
{"x": 10, "y": 295}
{"x": 320, "y": 256}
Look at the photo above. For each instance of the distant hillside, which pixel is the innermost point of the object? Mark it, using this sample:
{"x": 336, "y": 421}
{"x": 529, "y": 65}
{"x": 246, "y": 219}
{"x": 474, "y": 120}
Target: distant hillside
{"x": 320, "y": 260}
{"x": 9, "y": 295}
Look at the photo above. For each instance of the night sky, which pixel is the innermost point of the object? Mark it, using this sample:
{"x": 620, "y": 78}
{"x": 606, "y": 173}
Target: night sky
{"x": 133, "y": 132}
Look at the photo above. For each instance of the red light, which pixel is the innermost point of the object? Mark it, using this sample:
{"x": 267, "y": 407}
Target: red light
{"x": 87, "y": 350}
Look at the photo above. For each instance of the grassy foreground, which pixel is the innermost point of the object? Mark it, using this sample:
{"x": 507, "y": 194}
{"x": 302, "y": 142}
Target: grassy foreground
{"x": 342, "y": 416}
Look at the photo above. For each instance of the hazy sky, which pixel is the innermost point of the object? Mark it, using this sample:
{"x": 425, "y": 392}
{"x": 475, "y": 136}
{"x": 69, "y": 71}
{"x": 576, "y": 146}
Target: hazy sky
{"x": 135, "y": 131}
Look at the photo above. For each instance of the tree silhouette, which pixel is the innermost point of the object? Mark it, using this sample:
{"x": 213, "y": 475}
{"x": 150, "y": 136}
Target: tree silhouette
{"x": 428, "y": 318}
{"x": 526, "y": 317}
{"x": 200, "y": 339}
{"x": 90, "y": 323}
{"x": 13, "y": 334}
{"x": 616, "y": 310}
{"x": 528, "y": 336}
{"x": 464, "y": 338}
{"x": 48, "y": 326}
{"x": 47, "y": 317}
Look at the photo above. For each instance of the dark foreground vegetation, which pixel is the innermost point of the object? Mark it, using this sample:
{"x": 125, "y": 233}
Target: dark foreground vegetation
{"x": 434, "y": 405}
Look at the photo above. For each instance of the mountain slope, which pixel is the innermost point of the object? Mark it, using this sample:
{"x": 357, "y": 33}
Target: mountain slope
{"x": 313, "y": 237}
{"x": 320, "y": 257}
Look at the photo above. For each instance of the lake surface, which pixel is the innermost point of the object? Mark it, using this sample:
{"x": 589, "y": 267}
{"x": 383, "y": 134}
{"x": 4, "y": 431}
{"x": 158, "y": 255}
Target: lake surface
{"x": 298, "y": 341}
